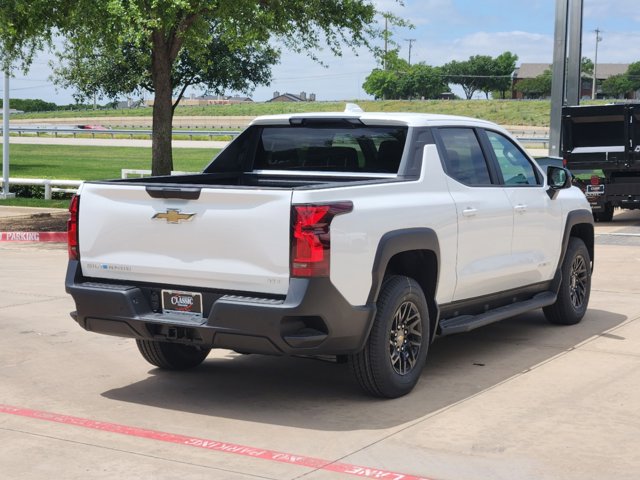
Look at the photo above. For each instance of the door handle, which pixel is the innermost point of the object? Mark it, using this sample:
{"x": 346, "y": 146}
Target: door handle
{"x": 520, "y": 208}
{"x": 469, "y": 212}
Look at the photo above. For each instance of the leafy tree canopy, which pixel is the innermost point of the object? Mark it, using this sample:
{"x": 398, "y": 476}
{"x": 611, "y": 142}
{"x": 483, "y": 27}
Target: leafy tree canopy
{"x": 633, "y": 74}
{"x": 482, "y": 73}
{"x": 617, "y": 86}
{"x": 31, "y": 105}
{"x": 403, "y": 81}
{"x": 156, "y": 44}
{"x": 538, "y": 87}
{"x": 586, "y": 66}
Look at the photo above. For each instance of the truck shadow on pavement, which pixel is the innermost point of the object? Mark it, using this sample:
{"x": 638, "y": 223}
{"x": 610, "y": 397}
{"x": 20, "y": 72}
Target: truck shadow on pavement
{"x": 308, "y": 393}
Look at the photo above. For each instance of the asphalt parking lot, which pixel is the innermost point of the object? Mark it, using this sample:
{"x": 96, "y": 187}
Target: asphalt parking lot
{"x": 521, "y": 399}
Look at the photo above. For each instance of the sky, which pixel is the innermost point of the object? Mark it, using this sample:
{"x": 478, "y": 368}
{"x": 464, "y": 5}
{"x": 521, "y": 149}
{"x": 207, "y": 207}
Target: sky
{"x": 444, "y": 30}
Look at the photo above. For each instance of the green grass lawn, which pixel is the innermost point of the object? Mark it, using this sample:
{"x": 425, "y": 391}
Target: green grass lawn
{"x": 89, "y": 163}
{"x": 35, "y": 202}
{"x": 95, "y": 163}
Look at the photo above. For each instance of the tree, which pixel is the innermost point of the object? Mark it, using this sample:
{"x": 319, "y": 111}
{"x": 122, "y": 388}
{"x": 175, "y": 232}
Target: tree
{"x": 482, "y": 72}
{"x": 157, "y": 32}
{"x": 586, "y": 66}
{"x": 31, "y": 105}
{"x": 96, "y": 73}
{"x": 503, "y": 68}
{"x": 472, "y": 75}
{"x": 403, "y": 81}
{"x": 538, "y": 87}
{"x": 385, "y": 83}
{"x": 424, "y": 81}
{"x": 617, "y": 86}
{"x": 382, "y": 84}
{"x": 633, "y": 74}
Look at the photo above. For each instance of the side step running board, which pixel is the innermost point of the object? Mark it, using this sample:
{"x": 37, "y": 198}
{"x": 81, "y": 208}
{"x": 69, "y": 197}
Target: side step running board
{"x": 465, "y": 323}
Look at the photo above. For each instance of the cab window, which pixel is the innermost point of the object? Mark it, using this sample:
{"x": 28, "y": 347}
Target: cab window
{"x": 515, "y": 167}
{"x": 463, "y": 157}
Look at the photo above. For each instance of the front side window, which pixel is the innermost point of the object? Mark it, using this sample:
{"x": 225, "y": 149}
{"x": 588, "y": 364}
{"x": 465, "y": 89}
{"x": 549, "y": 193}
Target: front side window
{"x": 463, "y": 157}
{"x": 515, "y": 167}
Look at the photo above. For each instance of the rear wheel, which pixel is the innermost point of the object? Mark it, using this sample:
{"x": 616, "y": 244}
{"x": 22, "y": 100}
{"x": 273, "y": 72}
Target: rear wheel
{"x": 573, "y": 296}
{"x": 172, "y": 356}
{"x": 393, "y": 358}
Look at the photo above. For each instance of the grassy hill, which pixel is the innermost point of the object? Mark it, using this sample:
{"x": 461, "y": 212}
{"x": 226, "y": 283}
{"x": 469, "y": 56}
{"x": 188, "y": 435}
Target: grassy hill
{"x": 505, "y": 112}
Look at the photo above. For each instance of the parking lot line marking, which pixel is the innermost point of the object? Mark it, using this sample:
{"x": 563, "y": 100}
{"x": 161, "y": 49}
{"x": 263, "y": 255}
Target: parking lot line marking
{"x": 208, "y": 444}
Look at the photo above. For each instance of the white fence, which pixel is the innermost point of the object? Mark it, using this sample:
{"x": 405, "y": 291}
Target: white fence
{"x": 71, "y": 186}
{"x": 50, "y": 185}
{"x": 133, "y": 172}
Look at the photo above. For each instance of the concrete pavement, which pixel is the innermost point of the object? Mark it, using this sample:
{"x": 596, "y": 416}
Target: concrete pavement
{"x": 23, "y": 211}
{"x": 520, "y": 399}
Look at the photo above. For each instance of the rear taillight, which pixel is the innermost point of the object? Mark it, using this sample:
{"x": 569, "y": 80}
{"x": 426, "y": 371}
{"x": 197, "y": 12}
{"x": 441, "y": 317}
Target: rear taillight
{"x": 311, "y": 238}
{"x": 72, "y": 229}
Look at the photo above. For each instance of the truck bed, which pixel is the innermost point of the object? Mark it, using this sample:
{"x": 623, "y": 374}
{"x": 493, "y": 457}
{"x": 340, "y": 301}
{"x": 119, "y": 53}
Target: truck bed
{"x": 261, "y": 180}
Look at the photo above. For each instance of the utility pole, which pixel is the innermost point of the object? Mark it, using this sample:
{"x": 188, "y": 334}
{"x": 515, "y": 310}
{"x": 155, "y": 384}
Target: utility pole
{"x": 5, "y": 133}
{"x": 410, "y": 40}
{"x": 386, "y": 41}
{"x": 597, "y": 31}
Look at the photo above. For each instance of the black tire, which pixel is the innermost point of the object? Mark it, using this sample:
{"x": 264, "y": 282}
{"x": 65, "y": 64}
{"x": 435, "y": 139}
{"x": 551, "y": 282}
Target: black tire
{"x": 172, "y": 356}
{"x": 606, "y": 215}
{"x": 393, "y": 357}
{"x": 573, "y": 296}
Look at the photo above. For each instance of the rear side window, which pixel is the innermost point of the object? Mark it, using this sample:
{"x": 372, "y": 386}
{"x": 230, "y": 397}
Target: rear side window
{"x": 331, "y": 148}
{"x": 516, "y": 169}
{"x": 463, "y": 157}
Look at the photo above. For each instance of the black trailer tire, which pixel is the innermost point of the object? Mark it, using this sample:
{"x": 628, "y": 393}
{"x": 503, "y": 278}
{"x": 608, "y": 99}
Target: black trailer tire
{"x": 606, "y": 215}
{"x": 575, "y": 288}
{"x": 393, "y": 358}
{"x": 172, "y": 356}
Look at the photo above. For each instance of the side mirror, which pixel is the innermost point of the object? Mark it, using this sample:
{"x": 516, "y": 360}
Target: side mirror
{"x": 558, "y": 178}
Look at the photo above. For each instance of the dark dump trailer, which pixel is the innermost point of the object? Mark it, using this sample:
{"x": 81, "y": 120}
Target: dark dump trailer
{"x": 601, "y": 144}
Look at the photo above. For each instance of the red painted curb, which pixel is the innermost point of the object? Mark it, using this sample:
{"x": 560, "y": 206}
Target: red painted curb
{"x": 60, "y": 237}
{"x": 215, "y": 445}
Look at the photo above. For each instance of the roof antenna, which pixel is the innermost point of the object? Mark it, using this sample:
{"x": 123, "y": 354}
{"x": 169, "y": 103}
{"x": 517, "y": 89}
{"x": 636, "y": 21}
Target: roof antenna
{"x": 352, "y": 108}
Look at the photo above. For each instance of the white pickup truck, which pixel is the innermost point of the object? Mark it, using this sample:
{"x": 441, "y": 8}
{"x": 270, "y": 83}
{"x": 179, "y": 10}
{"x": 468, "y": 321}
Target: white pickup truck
{"x": 356, "y": 235}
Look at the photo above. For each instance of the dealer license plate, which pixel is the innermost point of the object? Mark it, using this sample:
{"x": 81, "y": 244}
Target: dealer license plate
{"x": 595, "y": 189}
{"x": 182, "y": 303}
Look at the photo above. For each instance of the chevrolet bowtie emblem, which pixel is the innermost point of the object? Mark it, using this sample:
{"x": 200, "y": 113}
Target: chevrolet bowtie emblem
{"x": 173, "y": 215}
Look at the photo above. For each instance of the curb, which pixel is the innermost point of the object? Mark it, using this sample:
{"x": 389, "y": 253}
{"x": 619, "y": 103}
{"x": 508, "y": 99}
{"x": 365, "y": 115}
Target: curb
{"x": 60, "y": 237}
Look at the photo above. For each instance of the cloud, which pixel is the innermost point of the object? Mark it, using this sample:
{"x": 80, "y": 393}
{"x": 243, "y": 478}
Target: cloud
{"x": 609, "y": 50}
{"x": 599, "y": 9}
{"x": 423, "y": 12}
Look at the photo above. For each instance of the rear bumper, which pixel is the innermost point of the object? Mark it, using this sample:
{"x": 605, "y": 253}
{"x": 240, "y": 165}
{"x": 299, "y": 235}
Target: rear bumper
{"x": 313, "y": 318}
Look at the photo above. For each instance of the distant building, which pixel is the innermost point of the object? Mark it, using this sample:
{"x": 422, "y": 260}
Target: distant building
{"x": 604, "y": 71}
{"x": 204, "y": 100}
{"x": 290, "y": 97}
{"x": 130, "y": 103}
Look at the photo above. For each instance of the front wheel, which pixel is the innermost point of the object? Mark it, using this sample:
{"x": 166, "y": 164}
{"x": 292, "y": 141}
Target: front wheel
{"x": 172, "y": 356}
{"x": 575, "y": 289}
{"x": 393, "y": 358}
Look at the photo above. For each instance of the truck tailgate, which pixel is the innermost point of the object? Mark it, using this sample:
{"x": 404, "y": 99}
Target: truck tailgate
{"x": 228, "y": 238}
